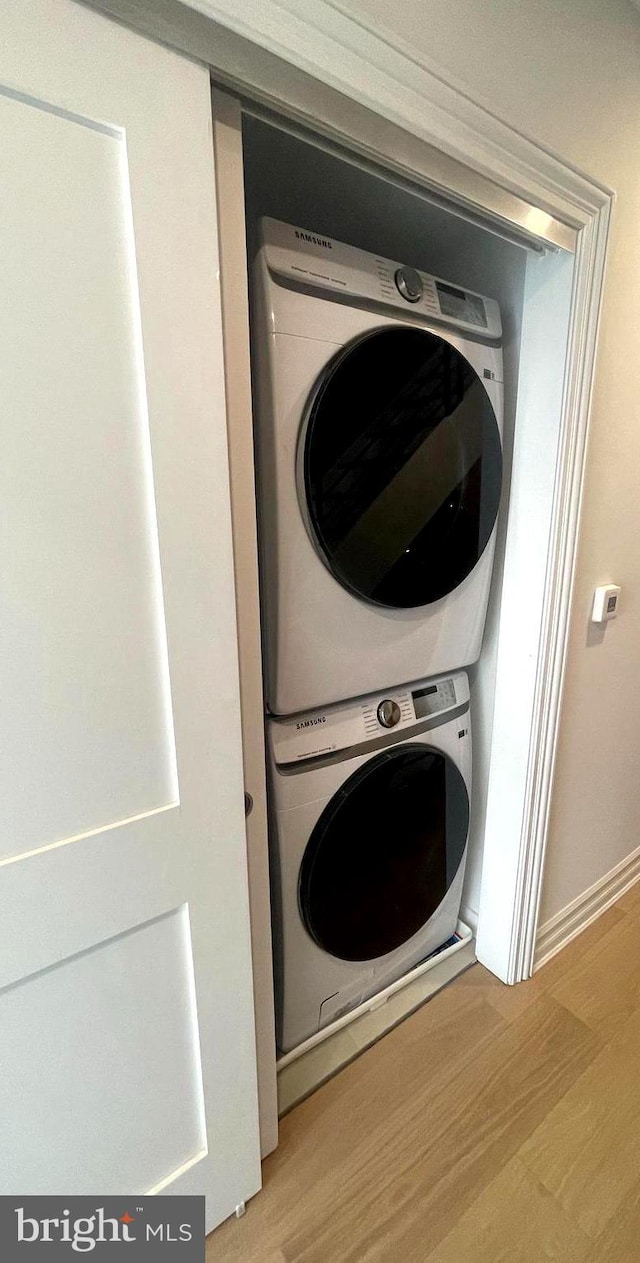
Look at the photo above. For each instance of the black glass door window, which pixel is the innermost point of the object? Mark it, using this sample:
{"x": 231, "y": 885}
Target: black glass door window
{"x": 384, "y": 853}
{"x": 402, "y": 468}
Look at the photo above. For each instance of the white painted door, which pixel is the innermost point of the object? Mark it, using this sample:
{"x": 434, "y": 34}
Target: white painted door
{"x": 126, "y": 1019}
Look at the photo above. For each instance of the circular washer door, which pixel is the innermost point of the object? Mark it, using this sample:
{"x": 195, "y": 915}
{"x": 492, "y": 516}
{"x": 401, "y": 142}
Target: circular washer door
{"x": 402, "y": 467}
{"x": 384, "y": 853}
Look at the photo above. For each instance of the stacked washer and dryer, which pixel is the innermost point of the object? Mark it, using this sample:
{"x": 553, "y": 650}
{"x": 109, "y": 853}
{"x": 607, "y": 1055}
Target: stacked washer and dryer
{"x": 379, "y": 458}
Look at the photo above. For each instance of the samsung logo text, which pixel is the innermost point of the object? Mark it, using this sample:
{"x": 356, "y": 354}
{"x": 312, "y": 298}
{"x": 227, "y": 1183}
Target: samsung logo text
{"x": 315, "y": 241}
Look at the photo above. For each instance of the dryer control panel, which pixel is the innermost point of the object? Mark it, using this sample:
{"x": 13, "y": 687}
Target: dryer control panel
{"x": 307, "y": 259}
{"x": 359, "y": 725}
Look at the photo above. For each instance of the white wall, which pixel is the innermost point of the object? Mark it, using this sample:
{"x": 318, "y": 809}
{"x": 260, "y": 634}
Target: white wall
{"x": 566, "y": 73}
{"x": 337, "y": 199}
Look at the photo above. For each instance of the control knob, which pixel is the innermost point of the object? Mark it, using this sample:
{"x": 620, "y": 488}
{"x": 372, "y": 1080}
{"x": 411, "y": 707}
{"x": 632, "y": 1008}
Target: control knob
{"x": 388, "y": 713}
{"x": 409, "y": 283}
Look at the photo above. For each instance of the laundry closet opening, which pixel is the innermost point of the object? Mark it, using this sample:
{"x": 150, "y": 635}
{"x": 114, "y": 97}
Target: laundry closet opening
{"x": 290, "y": 179}
{"x": 298, "y": 183}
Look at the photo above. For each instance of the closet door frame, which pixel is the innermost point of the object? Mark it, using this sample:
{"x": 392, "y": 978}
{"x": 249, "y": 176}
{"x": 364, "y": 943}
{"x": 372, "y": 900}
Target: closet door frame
{"x": 322, "y": 69}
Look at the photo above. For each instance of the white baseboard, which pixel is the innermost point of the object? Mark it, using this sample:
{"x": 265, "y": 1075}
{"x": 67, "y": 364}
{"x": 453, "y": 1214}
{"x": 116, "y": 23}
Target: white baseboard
{"x": 572, "y": 920}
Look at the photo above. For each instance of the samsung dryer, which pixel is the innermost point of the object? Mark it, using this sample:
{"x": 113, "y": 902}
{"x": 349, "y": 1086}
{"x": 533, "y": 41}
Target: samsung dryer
{"x": 369, "y": 823}
{"x": 378, "y": 422}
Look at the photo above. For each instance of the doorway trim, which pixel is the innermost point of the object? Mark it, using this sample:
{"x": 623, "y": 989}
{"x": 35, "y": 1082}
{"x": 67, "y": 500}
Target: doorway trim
{"x": 385, "y": 100}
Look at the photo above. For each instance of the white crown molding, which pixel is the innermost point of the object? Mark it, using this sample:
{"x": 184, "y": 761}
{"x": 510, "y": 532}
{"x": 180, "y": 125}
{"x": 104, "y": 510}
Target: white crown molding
{"x": 390, "y": 80}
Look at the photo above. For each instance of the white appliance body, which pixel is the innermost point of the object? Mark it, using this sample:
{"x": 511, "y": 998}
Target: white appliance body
{"x": 325, "y": 640}
{"x": 368, "y": 839}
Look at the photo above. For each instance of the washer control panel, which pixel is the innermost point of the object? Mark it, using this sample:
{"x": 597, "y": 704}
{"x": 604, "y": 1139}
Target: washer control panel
{"x": 362, "y": 723}
{"x": 311, "y": 261}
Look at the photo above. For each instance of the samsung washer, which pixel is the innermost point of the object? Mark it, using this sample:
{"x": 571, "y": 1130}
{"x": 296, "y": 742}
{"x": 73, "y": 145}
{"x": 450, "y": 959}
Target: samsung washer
{"x": 378, "y": 422}
{"x": 369, "y": 824}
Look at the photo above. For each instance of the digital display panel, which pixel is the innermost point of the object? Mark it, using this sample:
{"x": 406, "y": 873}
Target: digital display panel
{"x": 433, "y": 698}
{"x": 460, "y": 305}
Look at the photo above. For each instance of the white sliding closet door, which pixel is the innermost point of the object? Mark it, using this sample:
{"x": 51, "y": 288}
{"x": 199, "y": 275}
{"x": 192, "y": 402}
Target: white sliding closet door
{"x": 126, "y": 1015}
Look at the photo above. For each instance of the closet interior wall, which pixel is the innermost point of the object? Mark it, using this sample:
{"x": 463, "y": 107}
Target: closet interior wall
{"x": 293, "y": 180}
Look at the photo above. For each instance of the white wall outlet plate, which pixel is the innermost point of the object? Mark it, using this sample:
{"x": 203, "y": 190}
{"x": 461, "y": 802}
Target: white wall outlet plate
{"x": 605, "y": 603}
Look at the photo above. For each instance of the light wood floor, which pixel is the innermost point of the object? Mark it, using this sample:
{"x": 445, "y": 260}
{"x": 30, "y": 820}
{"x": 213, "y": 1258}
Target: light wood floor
{"x": 495, "y": 1124}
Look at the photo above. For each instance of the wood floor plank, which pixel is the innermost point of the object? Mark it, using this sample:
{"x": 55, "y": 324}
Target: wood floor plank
{"x": 428, "y": 1162}
{"x": 620, "y": 1239}
{"x": 509, "y": 1002}
{"x": 327, "y": 1134}
{"x": 494, "y": 1124}
{"x": 587, "y": 1150}
{"x": 581, "y": 950}
{"x": 603, "y": 989}
{"x": 465, "y": 1138}
{"x": 515, "y": 1218}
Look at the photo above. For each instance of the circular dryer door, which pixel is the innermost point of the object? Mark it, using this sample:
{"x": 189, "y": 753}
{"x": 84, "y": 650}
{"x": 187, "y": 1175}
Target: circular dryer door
{"x": 402, "y": 467}
{"x": 384, "y": 853}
